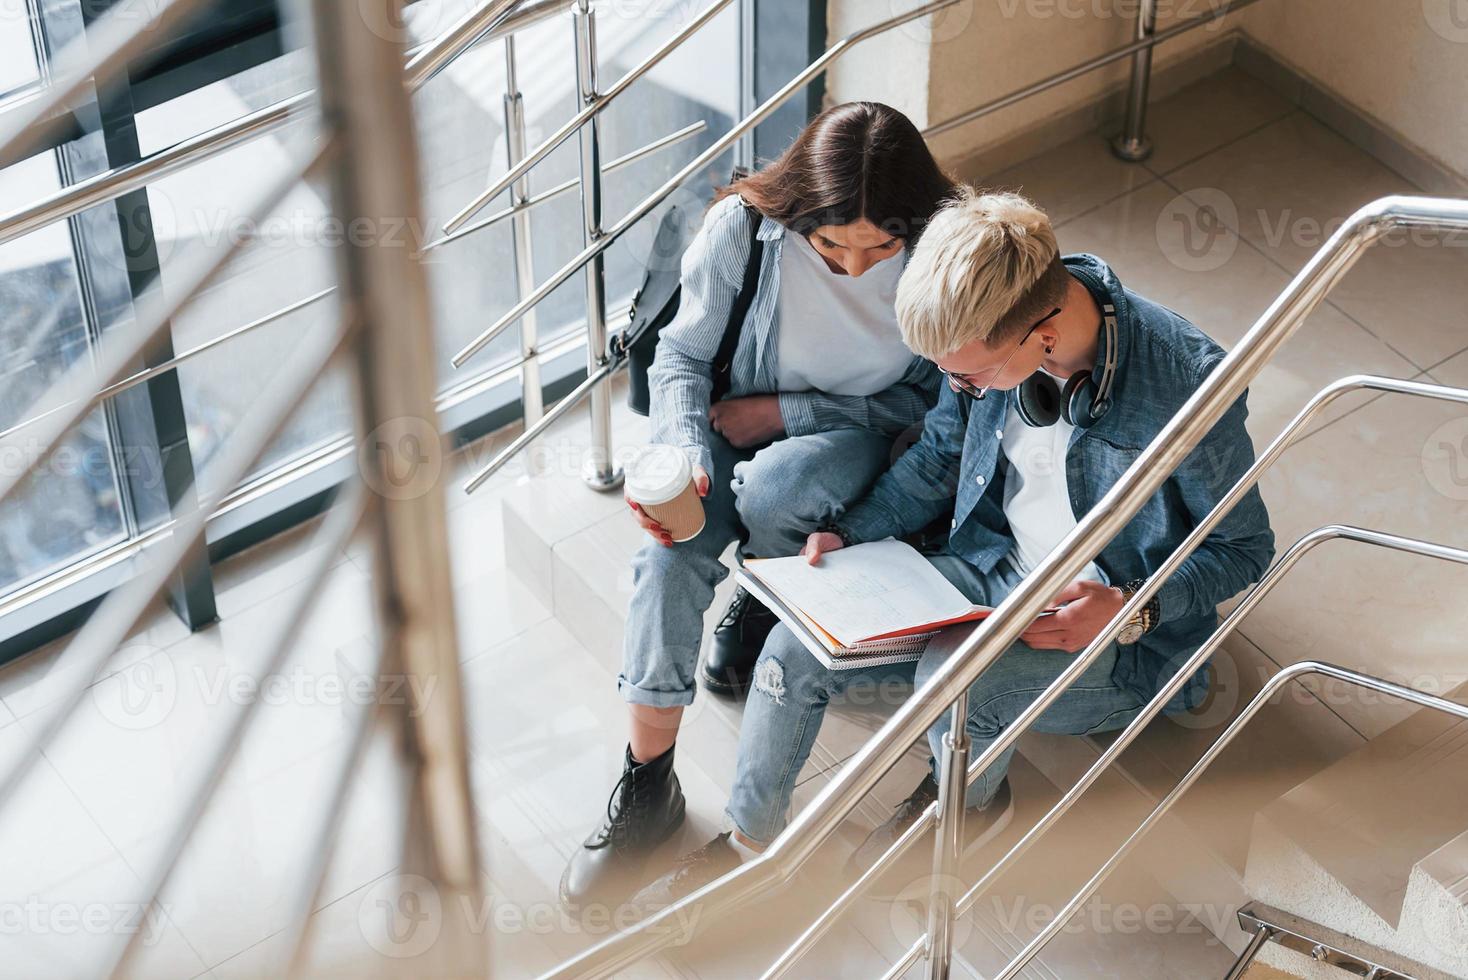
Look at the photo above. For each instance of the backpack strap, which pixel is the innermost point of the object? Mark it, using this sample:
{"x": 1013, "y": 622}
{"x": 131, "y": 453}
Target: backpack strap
{"x": 724, "y": 359}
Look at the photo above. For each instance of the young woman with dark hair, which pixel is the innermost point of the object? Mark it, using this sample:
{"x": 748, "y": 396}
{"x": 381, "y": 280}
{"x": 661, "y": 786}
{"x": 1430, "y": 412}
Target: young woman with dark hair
{"x": 820, "y": 387}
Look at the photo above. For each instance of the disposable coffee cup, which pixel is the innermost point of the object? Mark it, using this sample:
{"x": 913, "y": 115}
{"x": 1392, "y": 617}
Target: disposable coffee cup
{"x": 659, "y": 479}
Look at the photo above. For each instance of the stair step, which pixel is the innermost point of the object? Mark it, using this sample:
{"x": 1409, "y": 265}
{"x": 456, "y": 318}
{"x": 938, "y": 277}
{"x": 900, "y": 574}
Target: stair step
{"x": 1290, "y": 740}
{"x": 1339, "y": 849}
{"x": 1349, "y": 817}
{"x": 576, "y": 560}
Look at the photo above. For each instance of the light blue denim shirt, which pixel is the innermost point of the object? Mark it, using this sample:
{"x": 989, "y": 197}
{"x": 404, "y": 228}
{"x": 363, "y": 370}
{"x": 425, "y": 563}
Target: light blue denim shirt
{"x": 957, "y": 468}
{"x": 681, "y": 377}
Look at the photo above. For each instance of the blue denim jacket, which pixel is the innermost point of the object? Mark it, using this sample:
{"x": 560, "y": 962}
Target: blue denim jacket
{"x": 957, "y": 467}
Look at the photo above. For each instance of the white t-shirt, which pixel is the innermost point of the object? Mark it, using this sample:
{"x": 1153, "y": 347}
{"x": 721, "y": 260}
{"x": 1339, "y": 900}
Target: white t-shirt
{"x": 1037, "y": 493}
{"x": 837, "y": 333}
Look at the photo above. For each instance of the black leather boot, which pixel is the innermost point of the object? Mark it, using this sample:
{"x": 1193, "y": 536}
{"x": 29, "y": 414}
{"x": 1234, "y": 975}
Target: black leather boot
{"x": 979, "y": 828}
{"x": 738, "y": 640}
{"x": 711, "y": 861}
{"x": 644, "y": 811}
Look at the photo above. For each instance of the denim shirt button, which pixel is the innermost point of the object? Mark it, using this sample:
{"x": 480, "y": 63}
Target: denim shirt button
{"x": 953, "y": 524}
{"x": 979, "y": 480}
{"x": 998, "y": 433}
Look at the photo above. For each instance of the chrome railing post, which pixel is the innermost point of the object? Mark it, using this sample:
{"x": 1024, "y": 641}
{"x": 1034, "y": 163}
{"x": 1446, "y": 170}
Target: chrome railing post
{"x": 384, "y": 283}
{"x": 948, "y": 841}
{"x": 598, "y": 471}
{"x": 1133, "y": 145}
{"x": 530, "y": 394}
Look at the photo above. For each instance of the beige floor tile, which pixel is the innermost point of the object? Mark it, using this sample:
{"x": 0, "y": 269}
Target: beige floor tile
{"x": 1210, "y": 114}
{"x": 1071, "y": 179}
{"x": 76, "y": 924}
{"x": 52, "y": 835}
{"x": 237, "y": 882}
{"x": 137, "y": 744}
{"x": 41, "y": 677}
{"x": 1453, "y": 371}
{"x": 1291, "y": 184}
{"x": 1387, "y": 467}
{"x": 493, "y": 608}
{"x": 1146, "y": 237}
{"x": 1411, "y": 292}
{"x": 476, "y": 545}
{"x": 266, "y": 569}
{"x": 1291, "y": 739}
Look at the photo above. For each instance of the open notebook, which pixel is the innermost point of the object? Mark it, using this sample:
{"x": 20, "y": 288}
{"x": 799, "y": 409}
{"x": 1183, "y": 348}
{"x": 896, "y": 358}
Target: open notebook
{"x": 870, "y": 604}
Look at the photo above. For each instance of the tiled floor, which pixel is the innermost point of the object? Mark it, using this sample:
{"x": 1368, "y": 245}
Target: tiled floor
{"x": 545, "y": 721}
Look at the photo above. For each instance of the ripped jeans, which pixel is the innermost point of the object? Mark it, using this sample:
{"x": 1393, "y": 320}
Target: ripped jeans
{"x": 792, "y": 689}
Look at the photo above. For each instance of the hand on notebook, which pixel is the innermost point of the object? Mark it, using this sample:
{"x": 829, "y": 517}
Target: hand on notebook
{"x": 1088, "y": 607}
{"x": 819, "y": 543}
{"x": 700, "y": 481}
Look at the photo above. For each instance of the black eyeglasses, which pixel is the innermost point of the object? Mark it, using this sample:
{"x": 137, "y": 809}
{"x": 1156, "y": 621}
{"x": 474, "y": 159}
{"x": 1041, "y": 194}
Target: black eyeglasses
{"x": 961, "y": 383}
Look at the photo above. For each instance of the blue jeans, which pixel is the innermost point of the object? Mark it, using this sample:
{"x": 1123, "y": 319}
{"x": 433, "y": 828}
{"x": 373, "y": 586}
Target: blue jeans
{"x": 774, "y": 497}
{"x": 792, "y": 690}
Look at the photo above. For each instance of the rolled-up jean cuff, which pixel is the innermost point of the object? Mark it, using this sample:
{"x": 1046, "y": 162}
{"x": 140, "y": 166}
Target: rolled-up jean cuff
{"x": 731, "y": 824}
{"x": 633, "y": 694}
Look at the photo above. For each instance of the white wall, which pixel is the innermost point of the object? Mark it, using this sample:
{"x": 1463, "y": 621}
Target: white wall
{"x": 979, "y": 50}
{"x": 1402, "y": 62}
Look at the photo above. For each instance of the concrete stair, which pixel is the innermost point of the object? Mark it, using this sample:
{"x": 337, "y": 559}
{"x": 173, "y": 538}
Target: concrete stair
{"x": 571, "y": 549}
{"x": 1375, "y": 846}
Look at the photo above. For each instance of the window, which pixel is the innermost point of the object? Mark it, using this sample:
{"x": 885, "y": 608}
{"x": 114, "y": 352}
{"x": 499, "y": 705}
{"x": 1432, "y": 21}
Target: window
{"x": 462, "y": 139}
{"x": 284, "y": 264}
{"x": 70, "y": 507}
{"x": 70, "y": 283}
{"x": 18, "y": 67}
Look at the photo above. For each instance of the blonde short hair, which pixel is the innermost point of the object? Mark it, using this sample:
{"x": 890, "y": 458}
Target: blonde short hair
{"x": 982, "y": 262}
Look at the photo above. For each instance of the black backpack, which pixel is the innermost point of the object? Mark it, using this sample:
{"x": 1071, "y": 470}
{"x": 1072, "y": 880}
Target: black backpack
{"x": 656, "y": 303}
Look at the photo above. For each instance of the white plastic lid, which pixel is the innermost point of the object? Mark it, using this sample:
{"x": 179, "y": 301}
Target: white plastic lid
{"x": 657, "y": 473}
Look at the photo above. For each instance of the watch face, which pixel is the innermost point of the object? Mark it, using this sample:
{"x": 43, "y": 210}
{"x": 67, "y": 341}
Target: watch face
{"x": 1130, "y": 633}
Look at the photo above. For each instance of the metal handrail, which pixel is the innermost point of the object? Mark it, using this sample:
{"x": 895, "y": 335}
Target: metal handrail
{"x": 1083, "y": 660}
{"x": 1198, "y": 659}
{"x": 335, "y": 535}
{"x": 436, "y": 55}
{"x": 122, "y": 34}
{"x": 1140, "y": 46}
{"x": 172, "y": 363}
{"x": 112, "y": 184}
{"x": 1204, "y": 652}
{"x": 67, "y": 401}
{"x": 591, "y": 111}
{"x": 995, "y": 634}
{"x": 566, "y": 186}
{"x": 386, "y": 325}
{"x": 1293, "y": 672}
{"x": 108, "y": 627}
{"x": 644, "y": 208}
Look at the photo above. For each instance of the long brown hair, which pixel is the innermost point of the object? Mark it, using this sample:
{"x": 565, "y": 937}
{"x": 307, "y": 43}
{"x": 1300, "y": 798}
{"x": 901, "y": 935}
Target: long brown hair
{"x": 853, "y": 161}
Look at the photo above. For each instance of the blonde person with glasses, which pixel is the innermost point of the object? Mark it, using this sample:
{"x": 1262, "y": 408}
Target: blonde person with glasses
{"x": 1058, "y": 377}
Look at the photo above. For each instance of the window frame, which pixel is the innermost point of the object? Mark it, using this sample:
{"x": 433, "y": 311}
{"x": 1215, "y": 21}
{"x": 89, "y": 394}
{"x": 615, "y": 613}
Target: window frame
{"x": 247, "y": 34}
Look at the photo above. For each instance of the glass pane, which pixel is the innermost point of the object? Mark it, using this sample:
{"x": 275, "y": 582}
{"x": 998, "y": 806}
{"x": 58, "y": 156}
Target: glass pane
{"x": 17, "y": 54}
{"x": 461, "y": 129}
{"x": 70, "y": 507}
{"x": 285, "y": 262}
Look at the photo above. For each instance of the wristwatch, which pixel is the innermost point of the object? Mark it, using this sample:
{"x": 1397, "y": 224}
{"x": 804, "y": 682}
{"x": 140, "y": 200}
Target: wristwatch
{"x": 831, "y": 527}
{"x": 1143, "y": 620}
